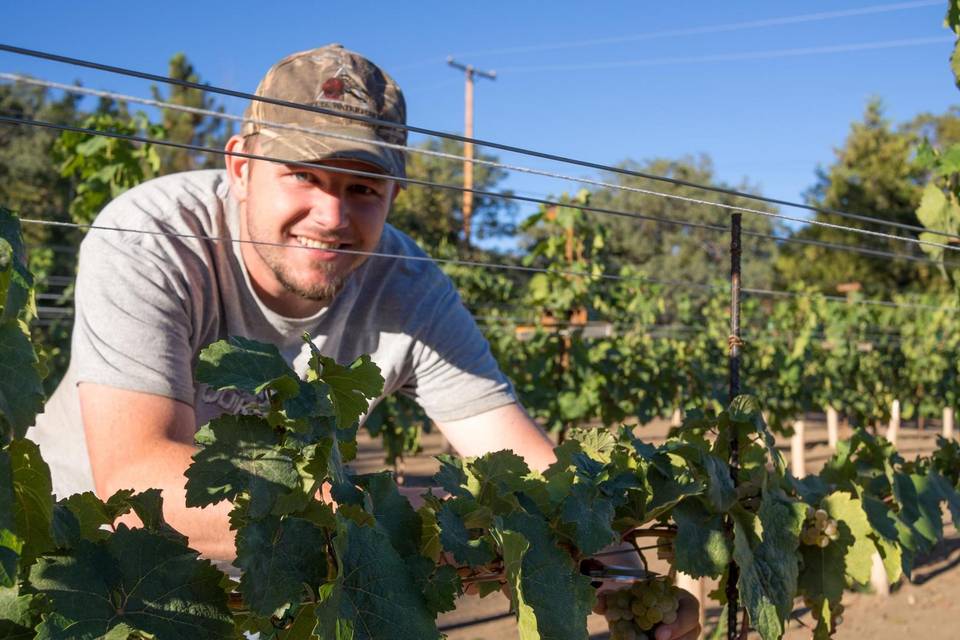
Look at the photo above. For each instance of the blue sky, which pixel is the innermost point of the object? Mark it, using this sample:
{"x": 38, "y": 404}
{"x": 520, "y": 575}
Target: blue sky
{"x": 607, "y": 82}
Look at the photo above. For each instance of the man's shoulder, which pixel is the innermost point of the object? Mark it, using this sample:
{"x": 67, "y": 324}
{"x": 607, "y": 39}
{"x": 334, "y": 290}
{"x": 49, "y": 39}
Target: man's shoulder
{"x": 402, "y": 258}
{"x": 179, "y": 199}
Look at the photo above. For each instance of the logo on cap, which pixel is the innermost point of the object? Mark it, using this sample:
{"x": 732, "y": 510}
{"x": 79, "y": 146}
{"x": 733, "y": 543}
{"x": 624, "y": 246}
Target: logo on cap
{"x": 333, "y": 88}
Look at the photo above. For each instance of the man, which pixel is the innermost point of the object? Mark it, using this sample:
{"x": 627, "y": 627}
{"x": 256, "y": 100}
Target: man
{"x": 146, "y": 303}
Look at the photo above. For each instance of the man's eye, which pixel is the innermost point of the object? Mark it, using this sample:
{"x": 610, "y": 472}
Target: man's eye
{"x": 303, "y": 176}
{"x": 363, "y": 190}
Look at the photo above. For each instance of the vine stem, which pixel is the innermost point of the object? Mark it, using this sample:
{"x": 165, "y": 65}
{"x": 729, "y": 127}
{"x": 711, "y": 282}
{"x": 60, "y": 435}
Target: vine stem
{"x": 733, "y": 571}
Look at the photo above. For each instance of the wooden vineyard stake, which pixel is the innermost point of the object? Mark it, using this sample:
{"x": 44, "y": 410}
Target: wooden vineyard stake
{"x": 798, "y": 449}
{"x": 948, "y": 423}
{"x": 833, "y": 428}
{"x": 676, "y": 419}
{"x": 893, "y": 431}
{"x": 878, "y": 577}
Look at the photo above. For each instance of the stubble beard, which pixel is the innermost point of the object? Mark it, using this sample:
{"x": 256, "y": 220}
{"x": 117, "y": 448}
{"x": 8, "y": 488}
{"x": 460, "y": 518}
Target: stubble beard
{"x": 273, "y": 257}
{"x": 318, "y": 292}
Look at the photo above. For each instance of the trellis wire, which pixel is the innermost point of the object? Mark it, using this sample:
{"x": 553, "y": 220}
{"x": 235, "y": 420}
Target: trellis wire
{"x": 542, "y": 201}
{"x": 356, "y": 172}
{"x": 476, "y": 141}
{"x": 65, "y": 280}
{"x": 450, "y": 156}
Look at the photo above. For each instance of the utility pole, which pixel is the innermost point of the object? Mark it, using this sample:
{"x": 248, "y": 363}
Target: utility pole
{"x": 469, "y": 71}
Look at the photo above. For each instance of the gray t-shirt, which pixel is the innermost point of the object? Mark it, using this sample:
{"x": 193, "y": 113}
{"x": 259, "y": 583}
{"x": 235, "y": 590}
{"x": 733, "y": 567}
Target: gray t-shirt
{"x": 147, "y": 303}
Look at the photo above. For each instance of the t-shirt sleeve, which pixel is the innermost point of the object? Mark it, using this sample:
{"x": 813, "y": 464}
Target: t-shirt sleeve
{"x": 455, "y": 376}
{"x": 133, "y": 325}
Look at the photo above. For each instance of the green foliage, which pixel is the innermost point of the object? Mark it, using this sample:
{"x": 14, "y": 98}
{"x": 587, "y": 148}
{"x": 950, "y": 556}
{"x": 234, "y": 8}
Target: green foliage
{"x": 135, "y": 580}
{"x": 435, "y": 216}
{"x": 657, "y": 248}
{"x": 874, "y": 174}
{"x": 21, "y": 373}
{"x": 102, "y": 168}
{"x": 193, "y": 128}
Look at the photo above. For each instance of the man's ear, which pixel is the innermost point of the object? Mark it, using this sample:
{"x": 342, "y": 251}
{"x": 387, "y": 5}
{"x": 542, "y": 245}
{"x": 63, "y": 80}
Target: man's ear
{"x": 238, "y": 168}
{"x": 397, "y": 188}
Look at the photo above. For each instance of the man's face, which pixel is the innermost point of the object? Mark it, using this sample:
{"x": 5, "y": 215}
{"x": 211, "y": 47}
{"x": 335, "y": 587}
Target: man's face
{"x": 306, "y": 211}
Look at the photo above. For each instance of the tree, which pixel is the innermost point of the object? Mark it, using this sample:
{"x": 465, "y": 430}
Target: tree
{"x": 658, "y": 248}
{"x": 190, "y": 128}
{"x": 874, "y": 174}
{"x": 435, "y": 216}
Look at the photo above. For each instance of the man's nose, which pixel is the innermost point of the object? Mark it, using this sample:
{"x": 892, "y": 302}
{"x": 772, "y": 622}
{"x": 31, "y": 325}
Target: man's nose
{"x": 329, "y": 211}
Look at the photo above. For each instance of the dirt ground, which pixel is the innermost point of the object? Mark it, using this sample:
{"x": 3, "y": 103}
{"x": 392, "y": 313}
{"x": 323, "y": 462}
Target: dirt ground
{"x": 926, "y": 608}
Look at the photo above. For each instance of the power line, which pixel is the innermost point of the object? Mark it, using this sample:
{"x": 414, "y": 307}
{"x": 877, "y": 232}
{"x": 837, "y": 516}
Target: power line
{"x": 450, "y": 136}
{"x": 732, "y": 57}
{"x": 509, "y": 196}
{"x": 717, "y": 28}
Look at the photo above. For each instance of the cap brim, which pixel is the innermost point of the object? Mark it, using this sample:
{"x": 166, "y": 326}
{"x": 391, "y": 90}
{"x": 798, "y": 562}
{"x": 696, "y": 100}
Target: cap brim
{"x": 356, "y": 144}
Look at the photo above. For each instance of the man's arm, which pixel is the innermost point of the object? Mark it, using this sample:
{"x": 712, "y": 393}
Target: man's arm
{"x": 506, "y": 427}
{"x": 140, "y": 441}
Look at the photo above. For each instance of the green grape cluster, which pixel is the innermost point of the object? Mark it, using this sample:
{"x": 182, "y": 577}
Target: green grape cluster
{"x": 635, "y": 611}
{"x": 819, "y": 529}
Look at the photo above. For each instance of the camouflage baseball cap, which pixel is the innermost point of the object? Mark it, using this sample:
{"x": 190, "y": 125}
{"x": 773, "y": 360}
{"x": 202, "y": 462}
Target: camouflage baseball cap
{"x": 333, "y": 78}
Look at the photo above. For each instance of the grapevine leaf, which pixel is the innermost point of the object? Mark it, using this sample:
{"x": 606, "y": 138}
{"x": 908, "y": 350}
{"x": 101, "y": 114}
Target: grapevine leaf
{"x": 455, "y": 536}
{"x": 515, "y": 546}
{"x": 16, "y": 281}
{"x": 351, "y": 386}
{"x": 16, "y": 614}
{"x": 451, "y": 477}
{"x": 148, "y": 505}
{"x": 278, "y": 557}
{"x": 65, "y": 527}
{"x": 720, "y": 490}
{"x": 440, "y": 584}
{"x": 430, "y": 546}
{"x": 701, "y": 547}
{"x": 373, "y": 597}
{"x": 10, "y": 543}
{"x": 135, "y": 578}
{"x": 596, "y": 443}
{"x": 550, "y": 581}
{"x": 589, "y": 514}
{"x": 854, "y": 529}
{"x": 919, "y": 503}
{"x": 668, "y": 490}
{"x": 824, "y": 568}
{"x": 246, "y": 365}
{"x": 442, "y": 589}
{"x": 878, "y": 515}
{"x": 768, "y": 563}
{"x": 90, "y": 513}
{"x": 947, "y": 493}
{"x": 21, "y": 385}
{"x": 892, "y": 558}
{"x": 240, "y": 453}
{"x": 393, "y": 513}
{"x": 494, "y": 478}
{"x": 33, "y": 494}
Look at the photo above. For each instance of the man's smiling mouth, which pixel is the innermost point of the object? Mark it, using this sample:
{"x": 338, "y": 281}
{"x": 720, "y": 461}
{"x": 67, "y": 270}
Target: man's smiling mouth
{"x": 318, "y": 244}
